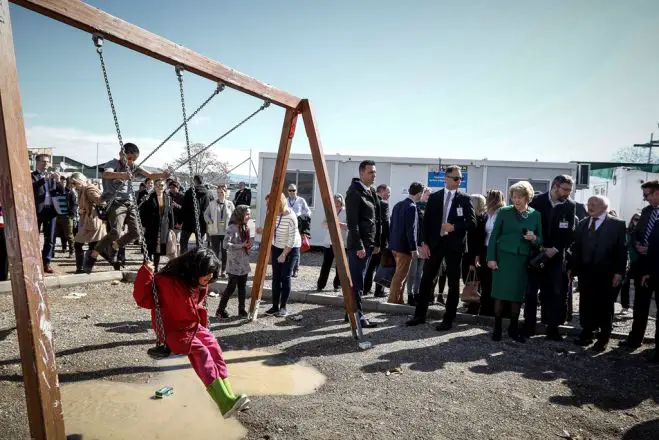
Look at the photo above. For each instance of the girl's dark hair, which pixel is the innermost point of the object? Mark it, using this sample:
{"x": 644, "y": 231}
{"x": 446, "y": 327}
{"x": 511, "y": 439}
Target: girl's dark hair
{"x": 238, "y": 215}
{"x": 192, "y": 265}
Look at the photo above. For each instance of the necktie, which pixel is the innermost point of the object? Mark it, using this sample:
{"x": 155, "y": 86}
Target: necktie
{"x": 650, "y": 227}
{"x": 447, "y": 206}
{"x": 592, "y": 224}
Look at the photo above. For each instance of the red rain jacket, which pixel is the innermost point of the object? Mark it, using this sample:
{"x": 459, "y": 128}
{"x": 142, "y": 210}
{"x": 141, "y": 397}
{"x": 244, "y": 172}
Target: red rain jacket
{"x": 181, "y": 307}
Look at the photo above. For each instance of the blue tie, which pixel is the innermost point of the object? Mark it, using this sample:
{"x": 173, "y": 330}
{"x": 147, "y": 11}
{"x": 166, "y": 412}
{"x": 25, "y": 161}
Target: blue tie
{"x": 650, "y": 227}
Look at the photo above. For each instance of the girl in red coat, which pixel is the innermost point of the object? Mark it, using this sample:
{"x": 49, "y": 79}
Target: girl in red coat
{"x": 182, "y": 286}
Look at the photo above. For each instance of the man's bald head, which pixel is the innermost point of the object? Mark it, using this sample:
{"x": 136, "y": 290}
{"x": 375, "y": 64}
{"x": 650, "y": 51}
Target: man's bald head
{"x": 597, "y": 206}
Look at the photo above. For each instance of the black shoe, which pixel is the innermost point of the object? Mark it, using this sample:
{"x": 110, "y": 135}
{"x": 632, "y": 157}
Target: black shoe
{"x": 631, "y": 344}
{"x": 365, "y": 323}
{"x": 271, "y": 311}
{"x": 415, "y": 321}
{"x": 443, "y": 326}
{"x": 496, "y": 335}
{"x": 584, "y": 340}
{"x": 516, "y": 335}
{"x": 600, "y": 346}
{"x": 440, "y": 299}
{"x": 221, "y": 314}
{"x": 243, "y": 313}
{"x": 380, "y": 295}
{"x": 411, "y": 300}
{"x": 554, "y": 335}
{"x": 89, "y": 265}
{"x": 159, "y": 352}
{"x": 528, "y": 330}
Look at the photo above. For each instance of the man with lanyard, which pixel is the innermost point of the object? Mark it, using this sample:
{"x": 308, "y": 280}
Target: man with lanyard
{"x": 645, "y": 240}
{"x": 46, "y": 186}
{"x": 121, "y": 205}
{"x": 558, "y": 214}
{"x": 300, "y": 208}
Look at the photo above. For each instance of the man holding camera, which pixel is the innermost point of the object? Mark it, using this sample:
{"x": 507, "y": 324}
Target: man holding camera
{"x": 46, "y": 186}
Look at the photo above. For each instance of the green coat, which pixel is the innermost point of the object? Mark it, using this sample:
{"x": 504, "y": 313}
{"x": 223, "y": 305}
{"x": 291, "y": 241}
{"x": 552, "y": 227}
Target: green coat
{"x": 511, "y": 252}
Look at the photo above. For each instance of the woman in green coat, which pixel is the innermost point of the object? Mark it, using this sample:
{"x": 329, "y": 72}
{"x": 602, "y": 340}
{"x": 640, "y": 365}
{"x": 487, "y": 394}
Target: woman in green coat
{"x": 517, "y": 230}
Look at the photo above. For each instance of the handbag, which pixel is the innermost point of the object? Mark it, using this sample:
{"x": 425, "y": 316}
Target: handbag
{"x": 384, "y": 275}
{"x": 471, "y": 290}
{"x": 306, "y": 243}
{"x": 171, "y": 247}
{"x": 537, "y": 259}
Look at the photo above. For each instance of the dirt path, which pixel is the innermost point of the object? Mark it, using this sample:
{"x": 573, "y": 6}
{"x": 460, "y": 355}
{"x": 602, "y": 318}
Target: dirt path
{"x": 458, "y": 385}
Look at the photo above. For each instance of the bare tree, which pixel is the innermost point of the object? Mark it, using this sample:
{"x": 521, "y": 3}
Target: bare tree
{"x": 634, "y": 155}
{"x": 204, "y": 163}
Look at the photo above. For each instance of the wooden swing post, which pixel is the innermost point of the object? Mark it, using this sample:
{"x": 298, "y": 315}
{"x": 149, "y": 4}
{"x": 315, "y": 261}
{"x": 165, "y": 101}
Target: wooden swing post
{"x": 29, "y": 293}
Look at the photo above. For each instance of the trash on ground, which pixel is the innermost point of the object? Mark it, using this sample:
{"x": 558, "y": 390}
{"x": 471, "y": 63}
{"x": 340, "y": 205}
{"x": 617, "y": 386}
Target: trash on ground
{"x": 75, "y": 295}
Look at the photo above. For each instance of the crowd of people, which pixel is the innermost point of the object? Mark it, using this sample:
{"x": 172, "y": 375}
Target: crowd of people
{"x": 527, "y": 252}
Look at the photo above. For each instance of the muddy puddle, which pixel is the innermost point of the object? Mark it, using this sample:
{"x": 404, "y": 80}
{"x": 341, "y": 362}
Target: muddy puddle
{"x": 102, "y": 410}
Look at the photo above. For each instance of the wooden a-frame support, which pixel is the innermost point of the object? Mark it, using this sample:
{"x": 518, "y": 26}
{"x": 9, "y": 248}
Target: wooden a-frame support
{"x": 27, "y": 280}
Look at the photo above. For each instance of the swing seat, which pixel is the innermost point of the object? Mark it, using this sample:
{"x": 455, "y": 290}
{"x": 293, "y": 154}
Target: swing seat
{"x": 159, "y": 352}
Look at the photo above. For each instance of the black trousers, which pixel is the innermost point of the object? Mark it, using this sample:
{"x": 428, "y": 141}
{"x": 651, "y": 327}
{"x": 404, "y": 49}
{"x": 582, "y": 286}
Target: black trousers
{"x": 326, "y": 267}
{"x": 370, "y": 273}
{"x": 239, "y": 281}
{"x": 642, "y": 300}
{"x": 596, "y": 302}
{"x": 430, "y": 272}
{"x": 552, "y": 295}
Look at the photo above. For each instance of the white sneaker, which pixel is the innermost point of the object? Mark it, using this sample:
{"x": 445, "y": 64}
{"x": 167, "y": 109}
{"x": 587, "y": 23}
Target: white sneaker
{"x": 213, "y": 294}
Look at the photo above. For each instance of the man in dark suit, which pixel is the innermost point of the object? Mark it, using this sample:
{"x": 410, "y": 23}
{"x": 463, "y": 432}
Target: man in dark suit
{"x": 558, "y": 218}
{"x": 646, "y": 241}
{"x": 364, "y": 230}
{"x": 384, "y": 192}
{"x": 599, "y": 259}
{"x": 46, "y": 187}
{"x": 243, "y": 195}
{"x": 449, "y": 216}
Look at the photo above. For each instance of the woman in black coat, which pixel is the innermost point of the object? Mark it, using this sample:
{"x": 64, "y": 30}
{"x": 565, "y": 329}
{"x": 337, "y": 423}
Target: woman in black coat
{"x": 157, "y": 219}
{"x": 475, "y": 246}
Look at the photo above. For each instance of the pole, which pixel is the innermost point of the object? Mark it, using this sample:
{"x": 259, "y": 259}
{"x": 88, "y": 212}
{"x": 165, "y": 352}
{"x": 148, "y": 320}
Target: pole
{"x": 249, "y": 179}
{"x": 33, "y": 325}
{"x": 96, "y": 160}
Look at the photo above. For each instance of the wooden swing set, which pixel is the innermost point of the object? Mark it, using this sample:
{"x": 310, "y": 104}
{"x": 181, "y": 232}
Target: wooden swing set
{"x": 27, "y": 280}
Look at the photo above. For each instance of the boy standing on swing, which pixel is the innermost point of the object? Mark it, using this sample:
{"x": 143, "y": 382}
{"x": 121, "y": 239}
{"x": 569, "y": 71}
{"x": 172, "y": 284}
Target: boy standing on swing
{"x": 120, "y": 205}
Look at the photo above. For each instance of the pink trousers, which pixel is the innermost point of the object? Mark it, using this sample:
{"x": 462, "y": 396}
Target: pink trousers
{"x": 206, "y": 357}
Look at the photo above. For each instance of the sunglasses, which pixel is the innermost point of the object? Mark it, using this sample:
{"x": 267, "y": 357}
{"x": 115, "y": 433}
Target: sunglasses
{"x": 292, "y": 190}
{"x": 455, "y": 178}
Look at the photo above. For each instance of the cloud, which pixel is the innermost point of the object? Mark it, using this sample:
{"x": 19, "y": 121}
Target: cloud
{"x": 81, "y": 146}
{"x": 28, "y": 115}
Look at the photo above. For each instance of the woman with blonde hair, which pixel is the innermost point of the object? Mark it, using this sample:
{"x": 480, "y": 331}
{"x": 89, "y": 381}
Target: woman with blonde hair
{"x": 517, "y": 231}
{"x": 494, "y": 200}
{"x": 91, "y": 228}
{"x": 286, "y": 242}
{"x": 328, "y": 254}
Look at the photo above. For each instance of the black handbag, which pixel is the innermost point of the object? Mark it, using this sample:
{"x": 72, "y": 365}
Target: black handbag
{"x": 384, "y": 275}
{"x": 537, "y": 259}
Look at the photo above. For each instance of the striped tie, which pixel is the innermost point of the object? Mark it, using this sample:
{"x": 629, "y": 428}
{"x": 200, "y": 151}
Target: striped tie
{"x": 650, "y": 227}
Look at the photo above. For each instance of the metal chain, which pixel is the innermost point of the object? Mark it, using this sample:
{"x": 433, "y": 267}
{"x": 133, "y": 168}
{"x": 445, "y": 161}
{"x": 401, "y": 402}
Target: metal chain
{"x": 218, "y": 89}
{"x": 160, "y": 326}
{"x": 195, "y": 202}
{"x": 265, "y": 105}
{"x": 98, "y": 42}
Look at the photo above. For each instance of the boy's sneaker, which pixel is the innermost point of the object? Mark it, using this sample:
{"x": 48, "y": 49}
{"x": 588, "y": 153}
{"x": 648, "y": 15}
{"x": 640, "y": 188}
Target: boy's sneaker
{"x": 282, "y": 313}
{"x": 272, "y": 311}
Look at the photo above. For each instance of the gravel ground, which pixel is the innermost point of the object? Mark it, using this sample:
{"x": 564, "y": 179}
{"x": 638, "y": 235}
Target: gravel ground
{"x": 308, "y": 275}
{"x": 458, "y": 384}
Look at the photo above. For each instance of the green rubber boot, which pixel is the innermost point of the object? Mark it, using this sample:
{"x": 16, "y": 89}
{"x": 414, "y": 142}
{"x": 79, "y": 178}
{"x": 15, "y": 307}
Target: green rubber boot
{"x": 228, "y": 403}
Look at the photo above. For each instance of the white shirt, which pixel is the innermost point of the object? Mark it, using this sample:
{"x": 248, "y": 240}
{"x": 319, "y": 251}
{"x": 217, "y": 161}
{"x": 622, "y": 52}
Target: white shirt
{"x": 451, "y": 195}
{"x": 286, "y": 232}
{"x": 598, "y": 221}
{"x": 342, "y": 219}
{"x": 489, "y": 226}
{"x": 298, "y": 206}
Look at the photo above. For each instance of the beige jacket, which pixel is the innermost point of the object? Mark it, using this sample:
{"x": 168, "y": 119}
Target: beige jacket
{"x": 91, "y": 228}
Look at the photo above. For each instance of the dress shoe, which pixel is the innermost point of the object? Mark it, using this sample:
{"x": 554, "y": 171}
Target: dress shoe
{"x": 368, "y": 324}
{"x": 554, "y": 335}
{"x": 584, "y": 340}
{"x": 496, "y": 335}
{"x": 440, "y": 299}
{"x": 631, "y": 344}
{"x": 515, "y": 334}
{"x": 528, "y": 330}
{"x": 415, "y": 321}
{"x": 48, "y": 269}
{"x": 600, "y": 346}
{"x": 443, "y": 326}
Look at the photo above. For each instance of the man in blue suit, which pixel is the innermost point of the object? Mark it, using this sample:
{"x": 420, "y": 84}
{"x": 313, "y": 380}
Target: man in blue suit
{"x": 46, "y": 185}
